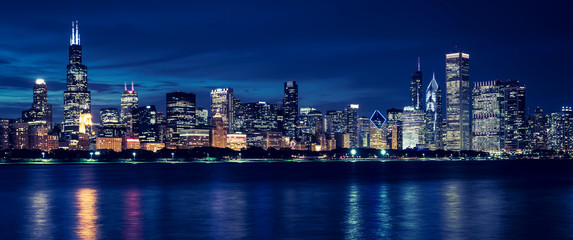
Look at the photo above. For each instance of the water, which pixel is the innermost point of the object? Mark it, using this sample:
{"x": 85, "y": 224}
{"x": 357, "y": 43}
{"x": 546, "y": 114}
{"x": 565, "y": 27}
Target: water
{"x": 361, "y": 200}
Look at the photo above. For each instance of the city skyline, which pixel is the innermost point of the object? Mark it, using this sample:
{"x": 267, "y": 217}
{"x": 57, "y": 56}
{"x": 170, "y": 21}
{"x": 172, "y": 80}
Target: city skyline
{"x": 349, "y": 50}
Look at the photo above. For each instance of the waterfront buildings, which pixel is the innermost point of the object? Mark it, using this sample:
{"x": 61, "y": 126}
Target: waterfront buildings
{"x": 561, "y": 130}
{"x": 351, "y": 112}
{"x": 488, "y": 117}
{"x": 394, "y": 128}
{"x": 458, "y": 101}
{"x": 180, "y": 113}
{"x": 412, "y": 127}
{"x": 514, "y": 116}
{"x": 537, "y": 130}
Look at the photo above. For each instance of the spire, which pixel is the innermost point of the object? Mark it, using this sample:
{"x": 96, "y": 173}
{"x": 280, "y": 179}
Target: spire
{"x": 125, "y": 86}
{"x": 418, "y": 64}
{"x": 132, "y": 90}
{"x": 75, "y": 37}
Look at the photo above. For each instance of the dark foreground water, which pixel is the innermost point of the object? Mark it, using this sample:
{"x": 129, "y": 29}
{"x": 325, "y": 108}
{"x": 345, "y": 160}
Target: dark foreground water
{"x": 361, "y": 200}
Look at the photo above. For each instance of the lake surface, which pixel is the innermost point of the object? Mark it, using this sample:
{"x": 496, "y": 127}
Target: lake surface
{"x": 308, "y": 200}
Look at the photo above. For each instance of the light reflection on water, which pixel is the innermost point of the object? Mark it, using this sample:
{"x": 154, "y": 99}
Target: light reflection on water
{"x": 87, "y": 215}
{"x": 285, "y": 201}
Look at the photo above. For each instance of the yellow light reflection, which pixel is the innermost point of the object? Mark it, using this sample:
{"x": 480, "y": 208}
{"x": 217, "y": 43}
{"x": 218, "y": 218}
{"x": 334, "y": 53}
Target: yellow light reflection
{"x": 452, "y": 208}
{"x": 87, "y": 214}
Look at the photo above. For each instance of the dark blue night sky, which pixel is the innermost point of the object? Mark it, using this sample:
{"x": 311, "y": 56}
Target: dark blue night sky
{"x": 339, "y": 52}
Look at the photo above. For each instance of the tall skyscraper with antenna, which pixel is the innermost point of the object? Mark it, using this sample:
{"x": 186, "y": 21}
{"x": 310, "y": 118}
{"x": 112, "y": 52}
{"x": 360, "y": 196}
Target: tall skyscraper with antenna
{"x": 416, "y": 97}
{"x": 77, "y": 98}
{"x": 129, "y": 103}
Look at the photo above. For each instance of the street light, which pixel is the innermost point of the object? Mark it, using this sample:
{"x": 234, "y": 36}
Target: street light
{"x": 91, "y": 155}
{"x": 134, "y": 156}
{"x": 353, "y": 152}
{"x": 43, "y": 155}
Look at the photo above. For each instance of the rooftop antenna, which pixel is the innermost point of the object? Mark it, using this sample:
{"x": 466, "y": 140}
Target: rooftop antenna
{"x": 418, "y": 64}
{"x": 125, "y": 86}
{"x": 132, "y": 90}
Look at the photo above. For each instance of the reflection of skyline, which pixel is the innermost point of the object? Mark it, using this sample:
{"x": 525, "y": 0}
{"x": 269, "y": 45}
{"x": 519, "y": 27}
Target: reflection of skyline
{"x": 86, "y": 200}
{"x": 133, "y": 216}
{"x": 228, "y": 208}
{"x": 384, "y": 214}
{"x": 40, "y": 222}
{"x": 353, "y": 214}
{"x": 451, "y": 210}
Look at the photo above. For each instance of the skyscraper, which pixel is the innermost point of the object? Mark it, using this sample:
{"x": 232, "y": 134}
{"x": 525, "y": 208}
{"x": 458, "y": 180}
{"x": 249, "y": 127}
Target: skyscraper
{"x": 412, "y": 127}
{"x": 77, "y": 98}
{"x": 351, "y": 112}
{"x": 335, "y": 121}
{"x": 537, "y": 130}
{"x": 458, "y": 101}
{"x": 514, "y": 115}
{"x": 290, "y": 107}
{"x": 222, "y": 103}
{"x": 180, "y": 112}
{"x": 394, "y": 128}
{"x": 129, "y": 102}
{"x": 433, "y": 116}
{"x": 41, "y": 111}
{"x": 416, "y": 97}
{"x": 146, "y": 124}
{"x": 561, "y": 130}
{"x": 487, "y": 112}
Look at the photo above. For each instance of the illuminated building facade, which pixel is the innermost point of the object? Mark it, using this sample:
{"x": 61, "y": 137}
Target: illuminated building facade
{"x": 20, "y": 135}
{"x": 487, "y": 126}
{"x": 514, "y": 116}
{"x": 202, "y": 116}
{"x": 129, "y": 102}
{"x": 458, "y": 101}
{"x": 394, "y": 128}
{"x": 290, "y": 108}
{"x": 77, "y": 98}
{"x": 537, "y": 130}
{"x": 412, "y": 127}
{"x": 109, "y": 123}
{"x": 260, "y": 117}
{"x": 4, "y": 134}
{"x": 364, "y": 132}
{"x": 222, "y": 103}
{"x": 351, "y": 112}
{"x": 237, "y": 141}
{"x": 335, "y": 121}
{"x": 433, "y": 116}
{"x": 561, "y": 130}
{"x": 378, "y": 131}
{"x": 180, "y": 112}
{"x": 41, "y": 111}
{"x": 416, "y": 97}
{"x": 219, "y": 131}
{"x": 109, "y": 143}
{"x": 146, "y": 123}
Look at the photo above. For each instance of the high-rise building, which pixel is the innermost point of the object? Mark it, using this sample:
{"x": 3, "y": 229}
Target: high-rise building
{"x": 4, "y": 134}
{"x": 412, "y": 127}
{"x": 351, "y": 112}
{"x": 488, "y": 116}
{"x": 394, "y": 128}
{"x": 77, "y": 98}
{"x": 335, "y": 121}
{"x": 238, "y": 115}
{"x": 222, "y": 103}
{"x": 561, "y": 130}
{"x": 433, "y": 116}
{"x": 110, "y": 125}
{"x": 202, "y": 115}
{"x": 458, "y": 101}
{"x": 514, "y": 116}
{"x": 416, "y": 97}
{"x": 41, "y": 111}
{"x": 129, "y": 102}
{"x": 146, "y": 123}
{"x": 180, "y": 112}
{"x": 218, "y": 133}
{"x": 290, "y": 108}
{"x": 364, "y": 132}
{"x": 260, "y": 117}
{"x": 537, "y": 130}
